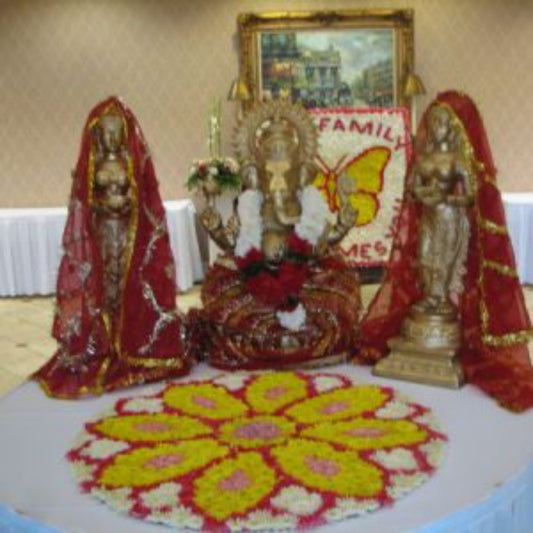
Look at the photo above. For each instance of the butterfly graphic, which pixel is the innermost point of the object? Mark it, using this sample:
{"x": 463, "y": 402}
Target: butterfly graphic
{"x": 360, "y": 180}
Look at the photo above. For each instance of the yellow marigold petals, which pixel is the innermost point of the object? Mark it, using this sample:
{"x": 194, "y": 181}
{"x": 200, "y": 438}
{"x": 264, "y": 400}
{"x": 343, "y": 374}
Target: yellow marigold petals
{"x": 270, "y": 392}
{"x": 206, "y": 400}
{"x": 317, "y": 465}
{"x": 234, "y": 485}
{"x": 256, "y": 431}
{"x": 145, "y": 466}
{"x": 338, "y": 404}
{"x": 156, "y": 427}
{"x": 361, "y": 433}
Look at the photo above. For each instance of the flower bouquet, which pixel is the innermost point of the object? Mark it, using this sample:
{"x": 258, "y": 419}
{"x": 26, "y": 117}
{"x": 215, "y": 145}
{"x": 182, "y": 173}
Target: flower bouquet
{"x": 214, "y": 175}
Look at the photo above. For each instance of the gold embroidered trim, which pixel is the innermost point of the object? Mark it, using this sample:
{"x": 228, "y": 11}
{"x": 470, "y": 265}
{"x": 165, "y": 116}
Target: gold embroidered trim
{"x": 488, "y": 339}
{"x": 154, "y": 362}
{"x": 498, "y": 267}
{"x": 492, "y": 227}
{"x": 509, "y": 338}
{"x": 126, "y": 381}
{"x": 90, "y": 171}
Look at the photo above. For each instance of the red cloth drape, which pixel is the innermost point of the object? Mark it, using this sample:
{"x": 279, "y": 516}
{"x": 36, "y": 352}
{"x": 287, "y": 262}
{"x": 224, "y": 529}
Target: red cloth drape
{"x": 494, "y": 318}
{"x": 98, "y": 352}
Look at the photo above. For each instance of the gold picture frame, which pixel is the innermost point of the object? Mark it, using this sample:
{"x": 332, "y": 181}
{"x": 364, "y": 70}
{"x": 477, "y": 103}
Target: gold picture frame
{"x": 281, "y": 56}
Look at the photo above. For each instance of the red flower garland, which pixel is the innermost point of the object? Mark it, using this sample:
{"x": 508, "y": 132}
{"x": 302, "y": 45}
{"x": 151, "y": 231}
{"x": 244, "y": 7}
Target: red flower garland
{"x": 278, "y": 286}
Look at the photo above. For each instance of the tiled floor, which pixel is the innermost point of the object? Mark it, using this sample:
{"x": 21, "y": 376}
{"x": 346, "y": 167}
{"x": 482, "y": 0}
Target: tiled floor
{"x": 26, "y": 343}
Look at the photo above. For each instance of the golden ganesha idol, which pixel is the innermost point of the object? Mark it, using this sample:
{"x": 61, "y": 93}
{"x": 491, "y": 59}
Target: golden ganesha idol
{"x": 279, "y": 296}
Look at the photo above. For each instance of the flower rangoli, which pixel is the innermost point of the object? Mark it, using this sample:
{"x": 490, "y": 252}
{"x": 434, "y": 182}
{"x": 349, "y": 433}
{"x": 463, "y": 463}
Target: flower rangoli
{"x": 262, "y": 451}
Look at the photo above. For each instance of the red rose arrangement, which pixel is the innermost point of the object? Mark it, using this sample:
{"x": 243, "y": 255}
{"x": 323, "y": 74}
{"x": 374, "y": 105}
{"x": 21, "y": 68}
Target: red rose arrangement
{"x": 278, "y": 285}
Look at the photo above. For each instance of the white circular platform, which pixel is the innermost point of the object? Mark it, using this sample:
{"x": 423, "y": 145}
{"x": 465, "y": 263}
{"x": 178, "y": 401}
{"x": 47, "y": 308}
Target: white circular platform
{"x": 484, "y": 485}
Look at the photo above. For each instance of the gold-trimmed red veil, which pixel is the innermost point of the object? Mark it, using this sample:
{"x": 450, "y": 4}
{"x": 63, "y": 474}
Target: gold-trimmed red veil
{"x": 495, "y": 322}
{"x": 98, "y": 352}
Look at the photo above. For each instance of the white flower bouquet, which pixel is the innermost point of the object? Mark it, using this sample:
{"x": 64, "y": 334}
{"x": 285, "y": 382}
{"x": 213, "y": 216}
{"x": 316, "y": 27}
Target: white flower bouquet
{"x": 220, "y": 173}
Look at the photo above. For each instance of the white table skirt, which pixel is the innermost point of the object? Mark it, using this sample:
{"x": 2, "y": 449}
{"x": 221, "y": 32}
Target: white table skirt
{"x": 30, "y": 244}
{"x": 485, "y": 483}
{"x": 30, "y": 247}
{"x": 519, "y": 213}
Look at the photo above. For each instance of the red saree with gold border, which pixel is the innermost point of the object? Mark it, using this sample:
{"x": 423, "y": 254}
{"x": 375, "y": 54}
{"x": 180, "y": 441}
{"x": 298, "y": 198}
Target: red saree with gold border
{"x": 495, "y": 323}
{"x": 142, "y": 341}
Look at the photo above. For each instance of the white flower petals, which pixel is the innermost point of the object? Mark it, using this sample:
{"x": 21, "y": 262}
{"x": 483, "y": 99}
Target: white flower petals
{"x": 396, "y": 459}
{"x": 118, "y": 498}
{"x": 166, "y": 495}
{"x": 315, "y": 215}
{"x": 181, "y": 517}
{"x": 430, "y": 421}
{"x": 262, "y": 520}
{"x": 350, "y": 507}
{"x": 434, "y": 451}
{"x": 297, "y": 500}
{"x": 83, "y": 471}
{"x": 394, "y": 409}
{"x": 103, "y": 448}
{"x": 292, "y": 320}
{"x": 143, "y": 405}
{"x": 325, "y": 383}
{"x": 232, "y": 381}
{"x": 249, "y": 210}
{"x": 405, "y": 483}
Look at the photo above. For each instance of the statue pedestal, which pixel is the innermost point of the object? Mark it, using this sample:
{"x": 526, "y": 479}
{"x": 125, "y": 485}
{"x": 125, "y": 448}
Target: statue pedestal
{"x": 425, "y": 352}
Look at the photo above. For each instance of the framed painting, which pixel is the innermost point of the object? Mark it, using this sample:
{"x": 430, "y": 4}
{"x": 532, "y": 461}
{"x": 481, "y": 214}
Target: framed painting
{"x": 355, "y": 58}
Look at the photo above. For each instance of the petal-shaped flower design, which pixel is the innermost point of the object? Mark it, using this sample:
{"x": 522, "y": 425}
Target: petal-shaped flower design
{"x": 257, "y": 451}
{"x": 263, "y": 521}
{"x": 156, "y": 427}
{"x": 233, "y": 381}
{"x": 353, "y": 506}
{"x": 325, "y": 383}
{"x": 164, "y": 495}
{"x": 395, "y": 459}
{"x": 270, "y": 392}
{"x": 338, "y": 404}
{"x": 103, "y": 448}
{"x": 394, "y": 409}
{"x": 234, "y": 485}
{"x": 164, "y": 462}
{"x": 142, "y": 405}
{"x": 256, "y": 431}
{"x": 297, "y": 500}
{"x": 119, "y": 498}
{"x": 361, "y": 433}
{"x": 205, "y": 400}
{"x": 319, "y": 465}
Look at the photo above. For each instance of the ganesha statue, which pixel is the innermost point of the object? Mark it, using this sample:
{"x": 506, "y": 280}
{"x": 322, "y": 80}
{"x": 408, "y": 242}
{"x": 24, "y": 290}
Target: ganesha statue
{"x": 278, "y": 296}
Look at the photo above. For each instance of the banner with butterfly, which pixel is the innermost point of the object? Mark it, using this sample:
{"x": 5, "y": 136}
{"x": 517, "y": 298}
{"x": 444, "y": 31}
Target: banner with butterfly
{"x": 372, "y": 147}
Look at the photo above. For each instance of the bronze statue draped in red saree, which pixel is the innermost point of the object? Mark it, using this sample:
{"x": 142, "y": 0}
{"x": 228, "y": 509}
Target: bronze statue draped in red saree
{"x": 116, "y": 320}
{"x": 495, "y": 326}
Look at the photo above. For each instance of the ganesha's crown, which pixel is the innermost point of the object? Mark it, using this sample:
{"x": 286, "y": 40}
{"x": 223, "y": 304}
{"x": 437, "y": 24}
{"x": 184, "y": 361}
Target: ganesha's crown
{"x": 272, "y": 121}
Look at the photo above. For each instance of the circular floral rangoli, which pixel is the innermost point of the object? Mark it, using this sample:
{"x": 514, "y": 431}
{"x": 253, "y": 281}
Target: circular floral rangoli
{"x": 251, "y": 451}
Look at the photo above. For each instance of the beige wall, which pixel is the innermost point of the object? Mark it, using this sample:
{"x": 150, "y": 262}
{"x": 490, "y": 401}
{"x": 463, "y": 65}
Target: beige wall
{"x": 169, "y": 59}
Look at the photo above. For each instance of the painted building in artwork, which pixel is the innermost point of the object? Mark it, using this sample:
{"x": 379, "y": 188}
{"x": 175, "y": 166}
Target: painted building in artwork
{"x": 377, "y": 84}
{"x": 317, "y": 77}
{"x": 279, "y": 53}
{"x": 311, "y": 76}
{"x": 314, "y": 77}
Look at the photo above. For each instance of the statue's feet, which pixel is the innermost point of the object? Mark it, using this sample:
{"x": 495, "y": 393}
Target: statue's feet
{"x": 425, "y": 305}
{"x": 444, "y": 307}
